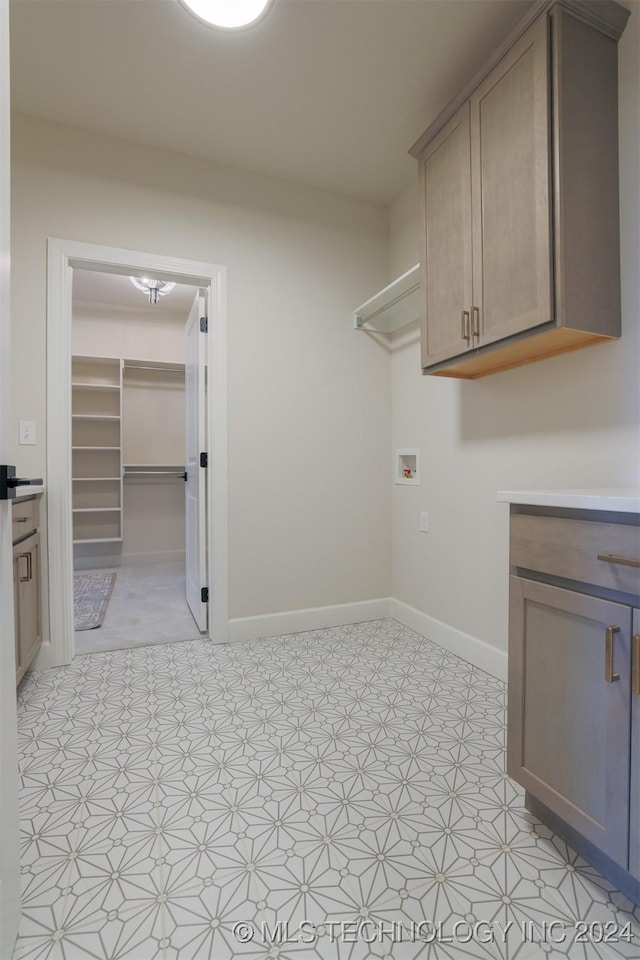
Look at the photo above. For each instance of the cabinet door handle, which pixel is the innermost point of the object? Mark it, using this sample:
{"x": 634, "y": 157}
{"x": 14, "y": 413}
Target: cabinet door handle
{"x": 466, "y": 317}
{"x": 475, "y": 325}
{"x": 623, "y": 561}
{"x": 27, "y": 575}
{"x": 635, "y": 665}
{"x": 609, "y": 651}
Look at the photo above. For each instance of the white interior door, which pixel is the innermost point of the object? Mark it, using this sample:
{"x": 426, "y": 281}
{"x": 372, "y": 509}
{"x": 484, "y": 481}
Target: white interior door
{"x": 195, "y": 492}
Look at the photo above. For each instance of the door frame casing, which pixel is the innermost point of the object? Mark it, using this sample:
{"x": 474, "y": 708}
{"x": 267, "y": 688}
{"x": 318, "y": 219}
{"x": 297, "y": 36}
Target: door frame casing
{"x": 195, "y": 440}
{"x": 63, "y": 256}
{"x": 9, "y": 822}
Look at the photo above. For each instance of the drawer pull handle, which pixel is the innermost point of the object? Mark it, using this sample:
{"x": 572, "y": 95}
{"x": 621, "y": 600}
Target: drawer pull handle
{"x": 623, "y": 561}
{"x": 635, "y": 665}
{"x": 27, "y": 576}
{"x": 21, "y": 519}
{"x": 475, "y": 322}
{"x": 609, "y": 651}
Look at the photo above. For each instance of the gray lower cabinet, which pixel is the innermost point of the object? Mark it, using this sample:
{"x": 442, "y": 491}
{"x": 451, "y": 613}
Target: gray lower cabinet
{"x": 26, "y": 583}
{"x": 569, "y": 732}
{"x": 634, "y": 818}
{"x": 574, "y": 684}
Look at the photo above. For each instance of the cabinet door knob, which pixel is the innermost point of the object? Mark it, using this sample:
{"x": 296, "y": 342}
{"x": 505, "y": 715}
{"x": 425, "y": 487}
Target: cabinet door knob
{"x": 609, "y": 652}
{"x": 466, "y": 318}
{"x": 635, "y": 665}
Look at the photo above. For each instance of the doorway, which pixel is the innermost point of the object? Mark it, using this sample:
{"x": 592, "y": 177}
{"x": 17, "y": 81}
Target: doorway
{"x": 131, "y": 488}
{"x": 74, "y": 506}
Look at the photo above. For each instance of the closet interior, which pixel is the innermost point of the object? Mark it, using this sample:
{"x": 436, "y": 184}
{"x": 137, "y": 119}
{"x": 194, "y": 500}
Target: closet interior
{"x": 128, "y": 462}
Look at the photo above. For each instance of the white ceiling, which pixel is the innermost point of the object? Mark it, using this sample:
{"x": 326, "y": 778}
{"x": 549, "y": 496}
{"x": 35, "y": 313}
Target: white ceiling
{"x": 330, "y": 93}
{"x": 110, "y": 288}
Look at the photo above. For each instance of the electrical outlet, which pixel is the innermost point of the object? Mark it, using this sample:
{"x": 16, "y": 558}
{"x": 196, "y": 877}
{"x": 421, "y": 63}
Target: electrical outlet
{"x": 424, "y": 523}
{"x": 27, "y": 432}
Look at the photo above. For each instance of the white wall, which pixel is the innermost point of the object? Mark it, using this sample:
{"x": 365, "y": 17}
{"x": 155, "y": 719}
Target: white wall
{"x": 113, "y": 330}
{"x": 308, "y": 399}
{"x": 571, "y": 421}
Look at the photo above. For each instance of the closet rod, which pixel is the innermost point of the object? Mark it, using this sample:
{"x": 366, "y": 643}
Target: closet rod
{"x": 154, "y": 473}
{"x": 142, "y": 366}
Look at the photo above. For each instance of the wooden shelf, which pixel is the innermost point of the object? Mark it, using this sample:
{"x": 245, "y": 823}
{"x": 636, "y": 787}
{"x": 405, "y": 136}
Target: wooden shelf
{"x": 153, "y": 466}
{"x": 100, "y": 540}
{"x": 96, "y": 443}
{"x": 96, "y": 386}
{"x": 93, "y": 416}
{"x": 393, "y": 307}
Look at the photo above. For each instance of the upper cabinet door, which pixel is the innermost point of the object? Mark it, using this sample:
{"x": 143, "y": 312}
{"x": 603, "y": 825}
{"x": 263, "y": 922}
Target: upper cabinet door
{"x": 510, "y": 123}
{"x": 445, "y": 189}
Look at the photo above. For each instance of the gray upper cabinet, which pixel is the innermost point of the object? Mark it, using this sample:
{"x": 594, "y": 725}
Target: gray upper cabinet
{"x": 446, "y": 255}
{"x": 519, "y": 199}
{"x": 511, "y": 192}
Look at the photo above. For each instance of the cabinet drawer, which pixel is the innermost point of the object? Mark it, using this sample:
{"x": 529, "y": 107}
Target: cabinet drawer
{"x": 570, "y": 549}
{"x": 24, "y": 517}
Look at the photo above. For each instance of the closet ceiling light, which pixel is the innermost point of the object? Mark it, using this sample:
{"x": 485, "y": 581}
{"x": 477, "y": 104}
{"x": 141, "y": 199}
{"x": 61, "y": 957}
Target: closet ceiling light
{"x": 154, "y": 288}
{"x": 228, "y": 14}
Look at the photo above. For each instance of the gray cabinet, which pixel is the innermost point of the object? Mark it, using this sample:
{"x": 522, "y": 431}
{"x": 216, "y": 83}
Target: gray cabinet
{"x": 569, "y": 734}
{"x": 510, "y": 121}
{"x": 634, "y": 816}
{"x": 446, "y": 274}
{"x": 26, "y": 583}
{"x": 574, "y": 682}
{"x": 519, "y": 199}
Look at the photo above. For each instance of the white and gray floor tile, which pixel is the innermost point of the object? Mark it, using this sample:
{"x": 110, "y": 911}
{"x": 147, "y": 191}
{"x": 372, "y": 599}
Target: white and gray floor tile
{"x": 340, "y": 792}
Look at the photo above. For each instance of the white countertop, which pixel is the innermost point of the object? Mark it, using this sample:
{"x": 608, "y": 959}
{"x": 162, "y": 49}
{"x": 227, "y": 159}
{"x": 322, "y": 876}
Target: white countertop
{"x": 621, "y": 500}
{"x": 29, "y": 491}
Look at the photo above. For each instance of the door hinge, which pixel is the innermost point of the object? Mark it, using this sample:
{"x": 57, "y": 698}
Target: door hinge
{"x": 204, "y": 459}
{"x": 204, "y": 594}
{"x": 204, "y": 324}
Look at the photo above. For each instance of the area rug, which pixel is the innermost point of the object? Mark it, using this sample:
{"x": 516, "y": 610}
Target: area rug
{"x": 91, "y": 594}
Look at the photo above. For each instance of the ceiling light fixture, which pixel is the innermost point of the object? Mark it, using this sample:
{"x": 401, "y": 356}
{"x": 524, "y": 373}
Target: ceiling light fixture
{"x": 227, "y": 14}
{"x": 154, "y": 288}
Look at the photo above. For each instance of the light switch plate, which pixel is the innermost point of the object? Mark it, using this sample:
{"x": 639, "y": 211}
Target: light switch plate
{"x": 424, "y": 523}
{"x": 27, "y": 432}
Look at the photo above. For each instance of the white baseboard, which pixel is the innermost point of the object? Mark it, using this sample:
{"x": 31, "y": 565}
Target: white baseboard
{"x": 464, "y": 645}
{"x": 128, "y": 560}
{"x": 160, "y": 556}
{"x": 315, "y": 618}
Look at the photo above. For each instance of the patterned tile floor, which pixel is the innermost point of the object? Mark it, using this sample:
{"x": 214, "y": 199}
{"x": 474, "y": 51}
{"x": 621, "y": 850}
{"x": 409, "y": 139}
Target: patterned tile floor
{"x": 329, "y": 795}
